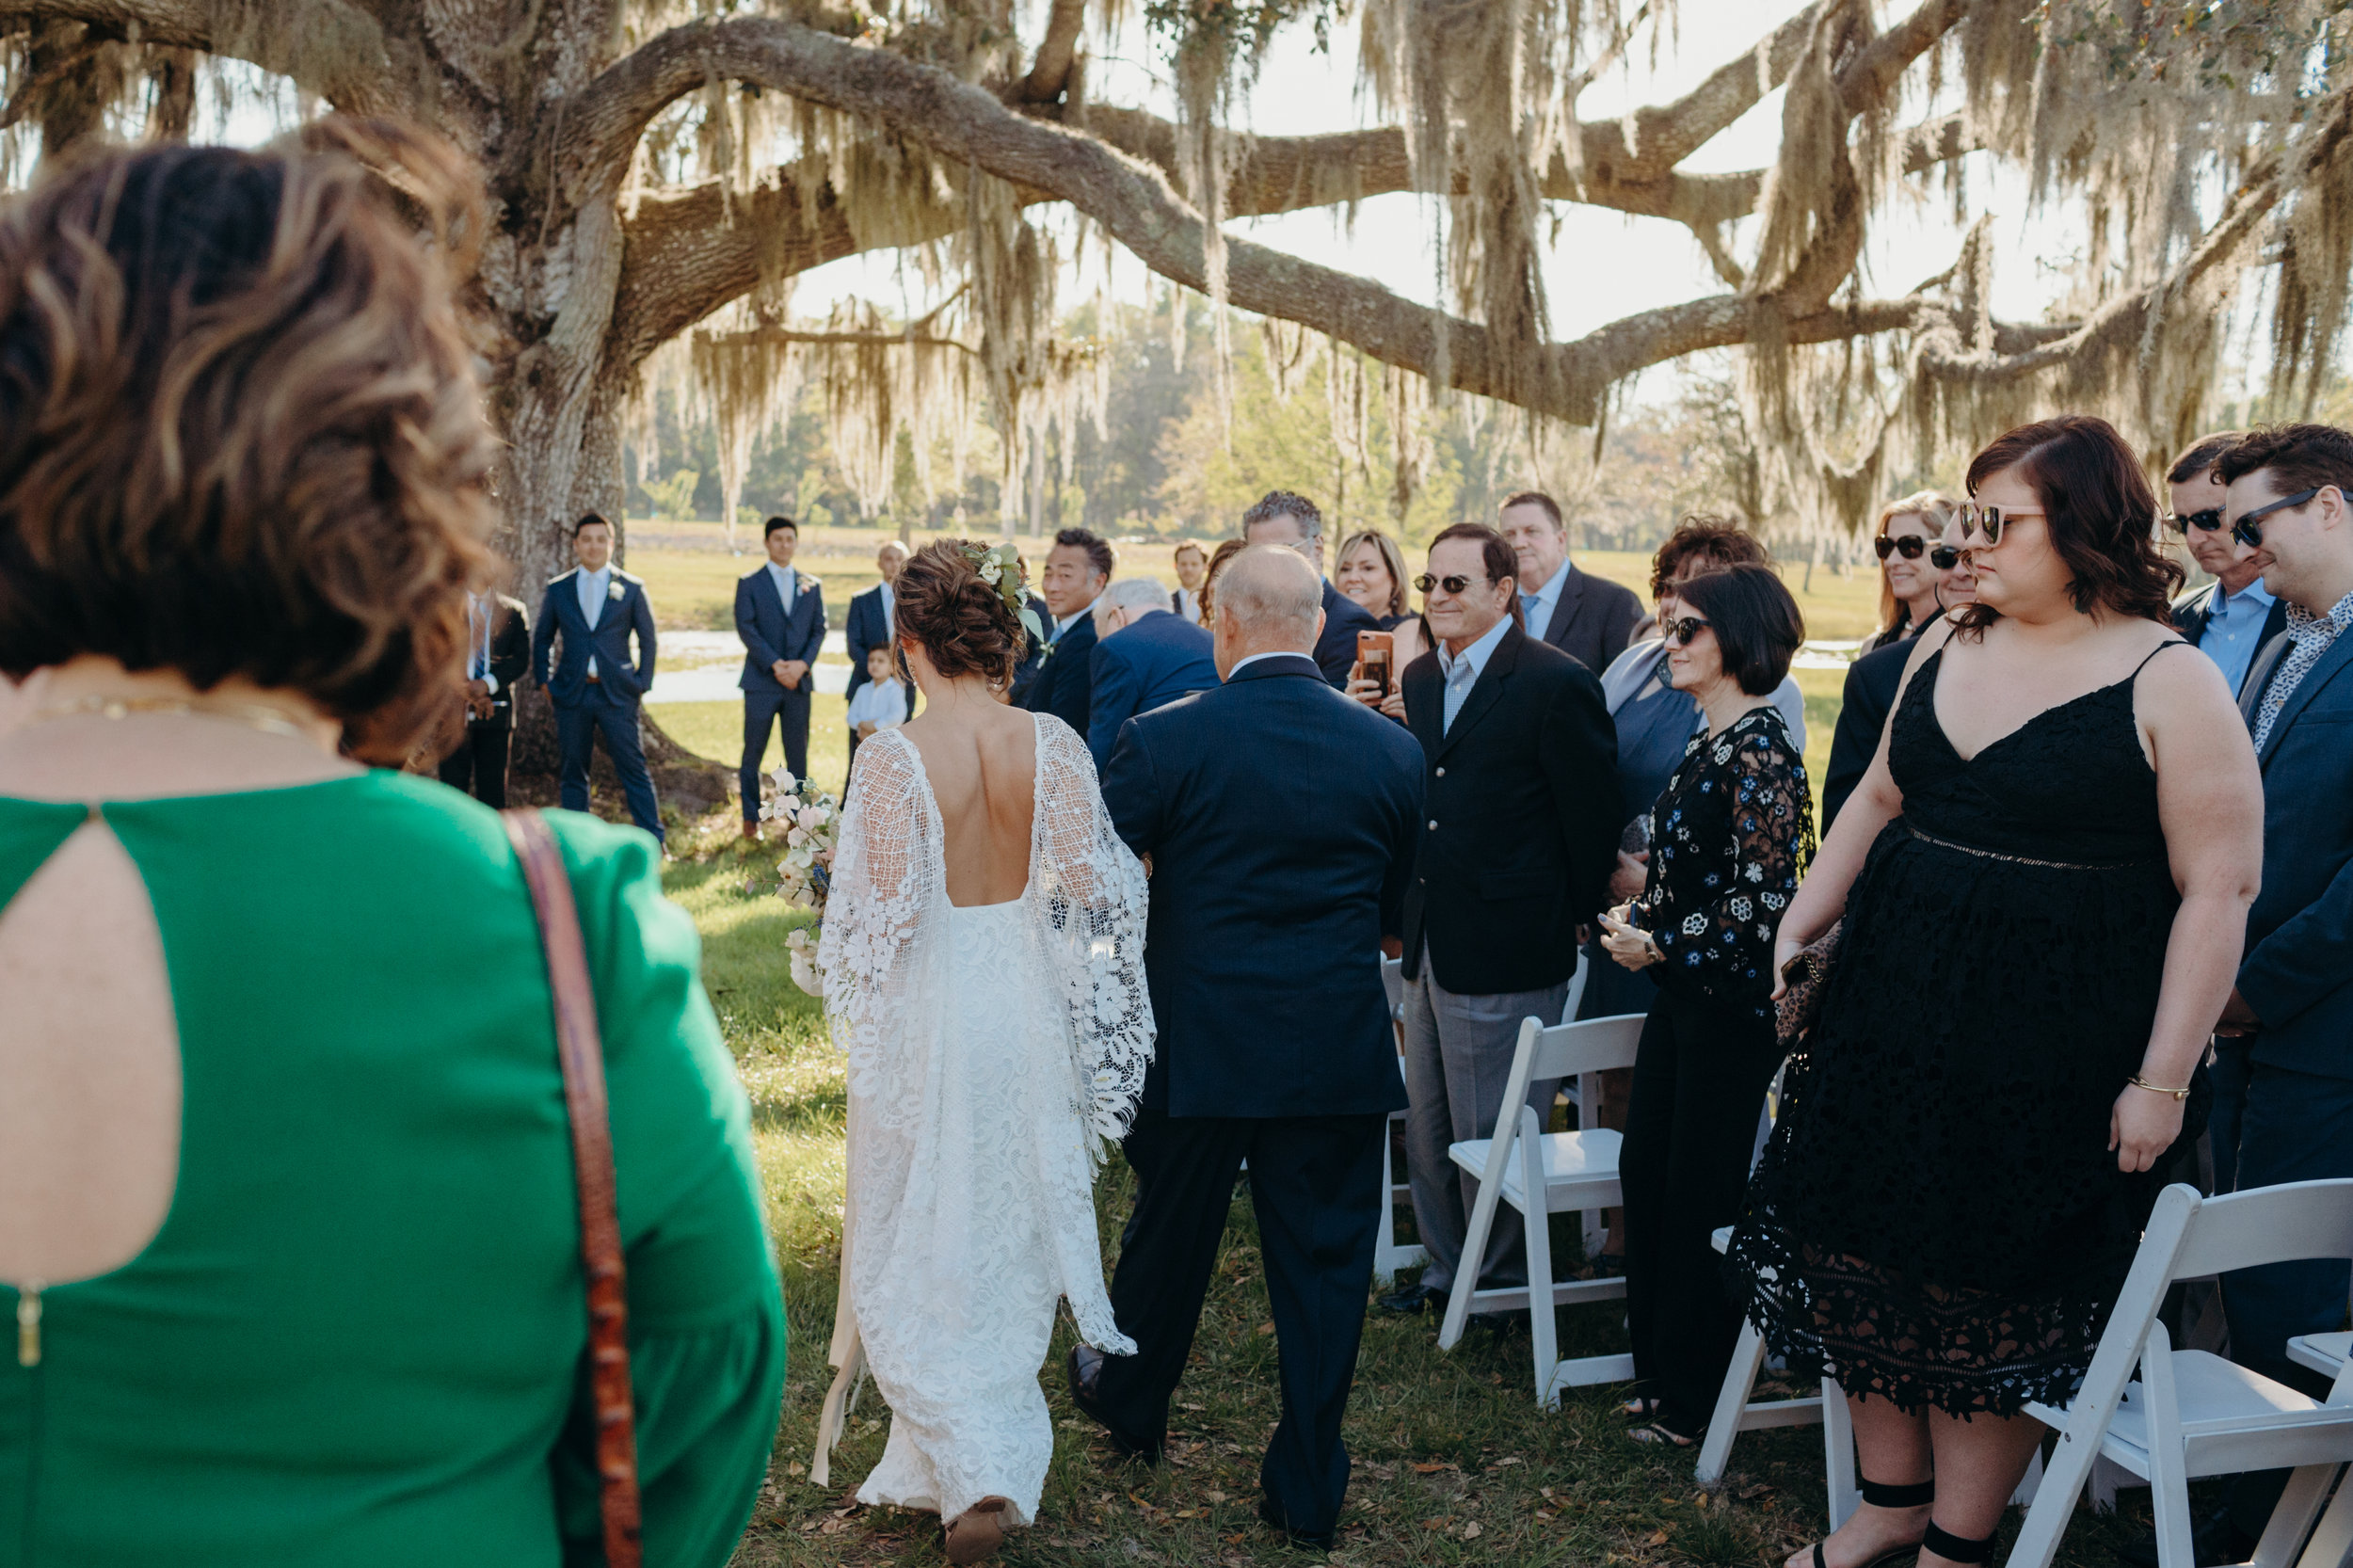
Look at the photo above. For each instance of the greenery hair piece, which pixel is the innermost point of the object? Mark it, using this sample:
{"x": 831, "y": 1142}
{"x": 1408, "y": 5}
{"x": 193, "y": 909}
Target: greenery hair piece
{"x": 1001, "y": 567}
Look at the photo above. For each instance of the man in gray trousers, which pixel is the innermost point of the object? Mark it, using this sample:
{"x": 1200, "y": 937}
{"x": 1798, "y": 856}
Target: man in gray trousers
{"x": 1520, "y": 834}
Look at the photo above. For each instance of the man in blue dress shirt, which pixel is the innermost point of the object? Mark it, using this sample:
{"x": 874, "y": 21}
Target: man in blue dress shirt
{"x": 2233, "y": 617}
{"x": 595, "y": 608}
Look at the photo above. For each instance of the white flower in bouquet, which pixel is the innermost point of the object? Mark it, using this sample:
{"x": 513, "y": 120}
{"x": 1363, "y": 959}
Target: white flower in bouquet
{"x": 812, "y": 824}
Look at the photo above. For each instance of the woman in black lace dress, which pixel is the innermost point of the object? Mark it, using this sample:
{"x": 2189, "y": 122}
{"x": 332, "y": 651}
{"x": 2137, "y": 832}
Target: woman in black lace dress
{"x": 2032, "y": 959}
{"x": 1729, "y": 836}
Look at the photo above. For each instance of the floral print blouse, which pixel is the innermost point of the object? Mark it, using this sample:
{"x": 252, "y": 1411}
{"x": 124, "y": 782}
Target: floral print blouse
{"x": 1730, "y": 835}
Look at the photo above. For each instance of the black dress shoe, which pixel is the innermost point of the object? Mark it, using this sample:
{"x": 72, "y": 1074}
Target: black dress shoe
{"x": 1406, "y": 1300}
{"x": 1086, "y": 1373}
{"x": 2216, "y": 1539}
{"x": 1277, "y": 1520}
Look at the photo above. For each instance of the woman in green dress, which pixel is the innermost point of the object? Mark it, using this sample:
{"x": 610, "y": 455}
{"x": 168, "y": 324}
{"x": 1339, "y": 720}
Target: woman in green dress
{"x": 287, "y": 1225}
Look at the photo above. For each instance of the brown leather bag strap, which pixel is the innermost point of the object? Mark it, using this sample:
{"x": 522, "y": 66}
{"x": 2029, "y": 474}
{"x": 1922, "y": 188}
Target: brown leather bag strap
{"x": 581, "y": 1051}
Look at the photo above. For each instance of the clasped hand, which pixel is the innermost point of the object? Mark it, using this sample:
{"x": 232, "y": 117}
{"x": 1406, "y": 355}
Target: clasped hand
{"x": 789, "y": 672}
{"x": 1631, "y": 947}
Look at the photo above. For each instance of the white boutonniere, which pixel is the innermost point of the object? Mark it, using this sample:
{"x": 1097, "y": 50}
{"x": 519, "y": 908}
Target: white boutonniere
{"x": 613, "y": 590}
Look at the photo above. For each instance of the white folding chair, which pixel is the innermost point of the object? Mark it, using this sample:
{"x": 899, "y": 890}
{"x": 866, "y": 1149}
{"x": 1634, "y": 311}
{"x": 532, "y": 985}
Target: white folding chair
{"x": 2325, "y": 1353}
{"x": 2193, "y": 1414}
{"x": 1389, "y": 1254}
{"x": 1540, "y": 1174}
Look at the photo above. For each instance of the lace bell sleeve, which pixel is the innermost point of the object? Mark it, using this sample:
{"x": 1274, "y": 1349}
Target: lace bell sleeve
{"x": 874, "y": 909}
{"x": 1092, "y": 906}
{"x": 1721, "y": 937}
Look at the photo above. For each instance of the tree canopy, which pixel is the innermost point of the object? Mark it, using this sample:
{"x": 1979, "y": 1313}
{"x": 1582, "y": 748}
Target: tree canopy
{"x": 660, "y": 173}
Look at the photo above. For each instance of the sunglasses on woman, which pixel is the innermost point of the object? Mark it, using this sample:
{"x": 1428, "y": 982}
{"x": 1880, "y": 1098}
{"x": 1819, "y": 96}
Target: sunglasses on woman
{"x": 1992, "y": 521}
{"x": 1452, "y": 585}
{"x": 2248, "y": 531}
{"x": 1909, "y": 546}
{"x": 1680, "y": 632}
{"x": 2205, "y": 522}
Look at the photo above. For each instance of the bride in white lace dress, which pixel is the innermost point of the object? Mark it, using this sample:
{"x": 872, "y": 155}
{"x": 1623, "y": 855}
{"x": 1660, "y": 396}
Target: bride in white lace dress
{"x": 983, "y": 959}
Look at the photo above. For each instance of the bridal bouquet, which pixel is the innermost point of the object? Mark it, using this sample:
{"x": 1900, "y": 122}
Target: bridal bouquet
{"x": 812, "y": 821}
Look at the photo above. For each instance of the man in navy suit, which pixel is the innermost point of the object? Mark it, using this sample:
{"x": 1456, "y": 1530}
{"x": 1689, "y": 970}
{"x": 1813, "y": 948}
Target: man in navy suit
{"x": 1076, "y": 570}
{"x": 594, "y": 609}
{"x": 2287, "y": 501}
{"x": 780, "y": 614}
{"x": 2233, "y": 616}
{"x": 1280, "y": 820}
{"x": 1156, "y": 658}
{"x": 1589, "y": 619}
{"x": 1281, "y": 516}
{"x": 873, "y": 614}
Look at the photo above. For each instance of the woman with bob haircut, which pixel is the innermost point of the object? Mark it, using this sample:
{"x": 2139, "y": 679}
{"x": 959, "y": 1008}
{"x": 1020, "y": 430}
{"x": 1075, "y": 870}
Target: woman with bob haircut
{"x": 288, "y": 1221}
{"x": 1729, "y": 836}
{"x": 2044, "y": 878}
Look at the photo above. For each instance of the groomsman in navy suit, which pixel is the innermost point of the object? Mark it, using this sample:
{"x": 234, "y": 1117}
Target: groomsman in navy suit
{"x": 780, "y": 614}
{"x": 1282, "y": 820}
{"x": 1076, "y": 569}
{"x": 594, "y": 609}
{"x": 873, "y": 614}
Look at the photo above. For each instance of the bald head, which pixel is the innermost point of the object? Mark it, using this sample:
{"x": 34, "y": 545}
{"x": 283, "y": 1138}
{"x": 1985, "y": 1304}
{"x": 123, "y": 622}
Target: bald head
{"x": 1268, "y": 600}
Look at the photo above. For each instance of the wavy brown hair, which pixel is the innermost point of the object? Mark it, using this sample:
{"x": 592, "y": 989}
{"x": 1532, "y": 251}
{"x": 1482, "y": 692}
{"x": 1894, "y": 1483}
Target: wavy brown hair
{"x": 240, "y": 434}
{"x": 2102, "y": 512}
{"x": 965, "y": 626}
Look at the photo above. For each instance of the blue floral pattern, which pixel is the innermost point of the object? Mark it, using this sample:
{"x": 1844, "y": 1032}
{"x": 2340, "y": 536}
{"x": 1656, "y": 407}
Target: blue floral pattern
{"x": 1730, "y": 836}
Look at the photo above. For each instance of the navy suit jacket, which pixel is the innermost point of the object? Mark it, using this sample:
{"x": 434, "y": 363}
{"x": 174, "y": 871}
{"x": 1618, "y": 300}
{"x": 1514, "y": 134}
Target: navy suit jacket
{"x": 2189, "y": 619}
{"x": 770, "y": 634}
{"x": 869, "y": 629}
{"x": 2298, "y": 974}
{"x": 608, "y": 641}
{"x": 1280, "y": 818}
{"x": 1336, "y": 650}
{"x": 1065, "y": 685}
{"x": 1147, "y": 663}
{"x": 1032, "y": 653}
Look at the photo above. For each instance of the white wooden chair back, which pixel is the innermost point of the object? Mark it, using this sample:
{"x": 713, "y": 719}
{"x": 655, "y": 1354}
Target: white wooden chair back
{"x": 2187, "y": 1238}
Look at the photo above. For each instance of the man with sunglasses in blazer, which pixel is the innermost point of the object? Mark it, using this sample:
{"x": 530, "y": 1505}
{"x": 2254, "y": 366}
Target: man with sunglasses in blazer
{"x": 2292, "y": 1009}
{"x": 2233, "y": 617}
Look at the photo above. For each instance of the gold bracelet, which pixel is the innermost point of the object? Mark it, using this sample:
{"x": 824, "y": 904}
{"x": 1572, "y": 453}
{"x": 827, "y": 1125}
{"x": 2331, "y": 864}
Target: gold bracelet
{"x": 2139, "y": 1082}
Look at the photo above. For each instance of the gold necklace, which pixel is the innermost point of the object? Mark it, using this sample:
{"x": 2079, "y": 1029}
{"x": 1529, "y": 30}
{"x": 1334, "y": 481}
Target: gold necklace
{"x": 254, "y": 715}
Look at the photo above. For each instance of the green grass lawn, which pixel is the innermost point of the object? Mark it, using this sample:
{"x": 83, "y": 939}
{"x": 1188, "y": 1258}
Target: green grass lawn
{"x": 1454, "y": 1464}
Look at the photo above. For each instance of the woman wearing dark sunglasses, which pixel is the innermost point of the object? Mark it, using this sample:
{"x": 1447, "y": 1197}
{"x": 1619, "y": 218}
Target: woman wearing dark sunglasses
{"x": 1905, "y": 537}
{"x": 2033, "y": 954}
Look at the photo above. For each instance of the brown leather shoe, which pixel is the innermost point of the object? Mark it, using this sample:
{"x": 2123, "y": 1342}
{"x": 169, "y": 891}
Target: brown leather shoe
{"x": 751, "y": 832}
{"x": 977, "y": 1532}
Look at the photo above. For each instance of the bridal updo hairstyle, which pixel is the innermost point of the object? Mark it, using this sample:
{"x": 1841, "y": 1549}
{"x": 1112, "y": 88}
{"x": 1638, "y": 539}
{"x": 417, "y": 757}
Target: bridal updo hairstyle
{"x": 2101, "y": 513}
{"x": 240, "y": 434}
{"x": 963, "y": 624}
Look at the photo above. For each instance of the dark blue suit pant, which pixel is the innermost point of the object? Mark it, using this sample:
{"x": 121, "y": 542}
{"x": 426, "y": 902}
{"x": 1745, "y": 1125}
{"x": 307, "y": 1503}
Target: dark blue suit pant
{"x": 1315, "y": 1182}
{"x": 576, "y": 728}
{"x": 2296, "y": 1127}
{"x": 767, "y": 706}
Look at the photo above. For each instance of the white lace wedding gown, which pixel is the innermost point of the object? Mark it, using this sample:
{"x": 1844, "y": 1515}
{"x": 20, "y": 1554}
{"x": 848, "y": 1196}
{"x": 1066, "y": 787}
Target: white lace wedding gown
{"x": 992, "y": 1050}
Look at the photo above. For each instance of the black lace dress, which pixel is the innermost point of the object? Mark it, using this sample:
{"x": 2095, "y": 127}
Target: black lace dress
{"x": 1938, "y": 1219}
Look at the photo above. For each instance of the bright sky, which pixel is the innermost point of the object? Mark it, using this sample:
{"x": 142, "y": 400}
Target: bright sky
{"x": 1603, "y": 265}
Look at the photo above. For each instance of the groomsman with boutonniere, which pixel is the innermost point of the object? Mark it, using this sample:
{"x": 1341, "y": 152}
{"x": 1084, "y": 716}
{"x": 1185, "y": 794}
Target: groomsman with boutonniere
{"x": 586, "y": 620}
{"x": 780, "y": 614}
{"x": 1076, "y": 570}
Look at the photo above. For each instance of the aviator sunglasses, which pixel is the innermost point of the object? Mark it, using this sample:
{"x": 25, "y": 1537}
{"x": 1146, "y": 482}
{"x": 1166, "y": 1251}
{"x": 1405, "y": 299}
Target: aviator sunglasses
{"x": 2246, "y": 529}
{"x": 1452, "y": 585}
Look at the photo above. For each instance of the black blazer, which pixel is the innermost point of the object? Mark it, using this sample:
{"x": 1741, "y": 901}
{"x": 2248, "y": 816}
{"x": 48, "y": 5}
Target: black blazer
{"x": 1280, "y": 818}
{"x": 1521, "y": 818}
{"x": 1593, "y": 619}
{"x": 2189, "y": 619}
{"x": 1065, "y": 685}
{"x": 770, "y": 634}
{"x": 1870, "y": 693}
{"x": 2298, "y": 973}
{"x": 1033, "y": 655}
{"x": 510, "y": 659}
{"x": 1343, "y": 618}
